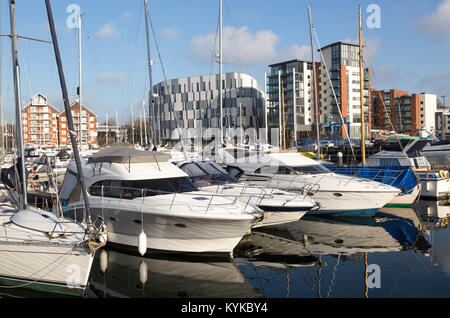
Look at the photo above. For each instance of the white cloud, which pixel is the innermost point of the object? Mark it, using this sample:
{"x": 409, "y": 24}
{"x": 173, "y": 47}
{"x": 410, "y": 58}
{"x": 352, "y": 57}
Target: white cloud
{"x": 112, "y": 77}
{"x": 108, "y": 30}
{"x": 241, "y": 46}
{"x": 438, "y": 22}
{"x": 296, "y": 52}
{"x": 170, "y": 33}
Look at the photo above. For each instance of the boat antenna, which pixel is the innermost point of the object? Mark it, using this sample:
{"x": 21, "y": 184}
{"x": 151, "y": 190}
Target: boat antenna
{"x": 67, "y": 108}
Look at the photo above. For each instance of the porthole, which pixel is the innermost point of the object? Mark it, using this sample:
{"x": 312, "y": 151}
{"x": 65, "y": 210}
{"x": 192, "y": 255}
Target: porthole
{"x": 338, "y": 241}
{"x": 138, "y": 221}
{"x": 113, "y": 219}
{"x": 338, "y": 195}
{"x": 179, "y": 225}
{"x": 310, "y": 194}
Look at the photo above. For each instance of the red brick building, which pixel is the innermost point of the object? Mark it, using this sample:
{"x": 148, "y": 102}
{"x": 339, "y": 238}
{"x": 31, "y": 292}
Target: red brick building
{"x": 395, "y": 110}
{"x": 88, "y": 125}
{"x": 40, "y": 122}
{"x": 44, "y": 125}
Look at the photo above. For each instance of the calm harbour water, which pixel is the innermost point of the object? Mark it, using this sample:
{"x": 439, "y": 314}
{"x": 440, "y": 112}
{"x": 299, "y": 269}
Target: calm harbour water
{"x": 319, "y": 257}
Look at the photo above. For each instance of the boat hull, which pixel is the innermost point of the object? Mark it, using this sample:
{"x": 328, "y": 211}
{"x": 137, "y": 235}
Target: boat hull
{"x": 276, "y": 218}
{"x": 174, "y": 233}
{"x": 405, "y": 200}
{"x": 54, "y": 268}
{"x": 435, "y": 189}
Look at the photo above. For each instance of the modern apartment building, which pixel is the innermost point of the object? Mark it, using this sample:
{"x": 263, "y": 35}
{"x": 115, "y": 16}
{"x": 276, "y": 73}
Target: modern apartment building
{"x": 403, "y": 112}
{"x": 40, "y": 122}
{"x": 427, "y": 110}
{"x": 195, "y": 103}
{"x": 385, "y": 109}
{"x": 290, "y": 101}
{"x": 443, "y": 123}
{"x": 341, "y": 59}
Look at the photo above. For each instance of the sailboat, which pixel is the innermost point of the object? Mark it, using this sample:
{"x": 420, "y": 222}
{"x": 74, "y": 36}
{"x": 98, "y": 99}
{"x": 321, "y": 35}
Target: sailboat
{"x": 389, "y": 174}
{"x": 40, "y": 250}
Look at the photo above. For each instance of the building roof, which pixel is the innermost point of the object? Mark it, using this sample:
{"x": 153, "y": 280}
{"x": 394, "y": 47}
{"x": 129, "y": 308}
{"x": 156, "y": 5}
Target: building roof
{"x": 339, "y": 43}
{"x": 54, "y": 109}
{"x": 290, "y": 61}
{"x": 75, "y": 105}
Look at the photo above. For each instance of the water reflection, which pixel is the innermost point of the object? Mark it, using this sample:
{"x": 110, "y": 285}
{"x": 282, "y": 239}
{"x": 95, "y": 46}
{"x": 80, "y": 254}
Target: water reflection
{"x": 435, "y": 216}
{"x": 317, "y": 256}
{"x": 119, "y": 274}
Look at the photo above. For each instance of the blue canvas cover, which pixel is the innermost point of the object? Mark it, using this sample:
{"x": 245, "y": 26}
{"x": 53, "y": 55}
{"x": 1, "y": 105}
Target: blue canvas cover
{"x": 399, "y": 177}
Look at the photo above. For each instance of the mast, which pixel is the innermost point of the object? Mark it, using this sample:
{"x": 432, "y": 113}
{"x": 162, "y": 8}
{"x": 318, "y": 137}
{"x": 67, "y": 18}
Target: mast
{"x": 283, "y": 116}
{"x": 220, "y": 71}
{"x": 21, "y": 188}
{"x": 132, "y": 123}
{"x": 316, "y": 106}
{"x": 117, "y": 128}
{"x": 107, "y": 129}
{"x": 145, "y": 124}
{"x": 2, "y": 145}
{"x": 361, "y": 83}
{"x": 150, "y": 71}
{"x": 80, "y": 95}
{"x": 68, "y": 111}
{"x": 140, "y": 126}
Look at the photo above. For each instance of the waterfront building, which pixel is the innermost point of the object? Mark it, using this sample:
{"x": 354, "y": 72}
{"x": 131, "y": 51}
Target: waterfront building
{"x": 88, "y": 121}
{"x": 403, "y": 112}
{"x": 290, "y": 102}
{"x": 342, "y": 61}
{"x": 40, "y": 122}
{"x": 192, "y": 103}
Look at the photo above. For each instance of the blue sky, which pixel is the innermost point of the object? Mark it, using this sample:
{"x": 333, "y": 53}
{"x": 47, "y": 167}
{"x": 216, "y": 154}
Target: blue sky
{"x": 409, "y": 51}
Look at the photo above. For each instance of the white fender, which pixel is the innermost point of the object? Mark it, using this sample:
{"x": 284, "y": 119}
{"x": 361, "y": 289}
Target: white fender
{"x": 142, "y": 244}
{"x": 143, "y": 272}
{"x": 103, "y": 261}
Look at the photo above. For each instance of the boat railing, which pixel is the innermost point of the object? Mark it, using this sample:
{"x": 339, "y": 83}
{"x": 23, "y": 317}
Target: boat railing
{"x": 53, "y": 234}
{"x": 377, "y": 174}
{"x": 201, "y": 196}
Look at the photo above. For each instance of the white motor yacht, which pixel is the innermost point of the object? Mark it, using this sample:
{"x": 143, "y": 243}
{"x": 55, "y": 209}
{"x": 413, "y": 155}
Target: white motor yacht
{"x": 278, "y": 206}
{"x": 149, "y": 203}
{"x": 296, "y": 173}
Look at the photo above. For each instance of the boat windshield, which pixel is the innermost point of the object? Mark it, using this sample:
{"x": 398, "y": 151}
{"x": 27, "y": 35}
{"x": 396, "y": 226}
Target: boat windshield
{"x": 130, "y": 189}
{"x": 205, "y": 174}
{"x": 314, "y": 169}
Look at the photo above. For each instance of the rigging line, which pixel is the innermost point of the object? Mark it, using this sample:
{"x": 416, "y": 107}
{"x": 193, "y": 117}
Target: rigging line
{"x": 133, "y": 63}
{"x": 165, "y": 87}
{"x": 332, "y": 89}
{"x": 379, "y": 92}
{"x": 369, "y": 59}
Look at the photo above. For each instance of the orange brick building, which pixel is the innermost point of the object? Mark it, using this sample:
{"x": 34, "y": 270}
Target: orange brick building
{"x": 88, "y": 125}
{"x": 44, "y": 125}
{"x": 40, "y": 122}
{"x": 400, "y": 109}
